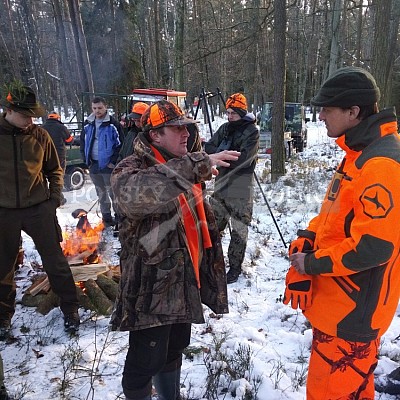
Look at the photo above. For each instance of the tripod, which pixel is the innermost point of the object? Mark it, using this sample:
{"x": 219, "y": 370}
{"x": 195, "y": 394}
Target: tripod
{"x": 204, "y": 98}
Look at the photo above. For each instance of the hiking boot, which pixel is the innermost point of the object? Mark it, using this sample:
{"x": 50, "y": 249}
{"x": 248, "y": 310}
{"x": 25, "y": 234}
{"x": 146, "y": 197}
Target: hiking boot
{"x": 391, "y": 383}
{"x": 5, "y": 329}
{"x": 71, "y": 322}
{"x": 108, "y": 220}
{"x": 233, "y": 275}
{"x": 3, "y": 394}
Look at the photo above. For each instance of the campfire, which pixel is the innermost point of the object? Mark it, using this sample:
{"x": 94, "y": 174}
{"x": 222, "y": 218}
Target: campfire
{"x": 96, "y": 282}
{"x": 80, "y": 244}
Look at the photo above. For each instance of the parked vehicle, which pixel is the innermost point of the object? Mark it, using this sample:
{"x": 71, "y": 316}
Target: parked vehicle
{"x": 295, "y": 134}
{"x": 152, "y": 95}
{"x": 76, "y": 169}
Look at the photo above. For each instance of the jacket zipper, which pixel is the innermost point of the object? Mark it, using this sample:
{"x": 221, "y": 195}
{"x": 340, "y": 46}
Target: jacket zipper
{"x": 16, "y": 169}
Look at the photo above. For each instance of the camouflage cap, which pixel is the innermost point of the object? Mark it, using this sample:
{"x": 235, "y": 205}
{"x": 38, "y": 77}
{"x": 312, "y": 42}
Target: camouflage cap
{"x": 164, "y": 113}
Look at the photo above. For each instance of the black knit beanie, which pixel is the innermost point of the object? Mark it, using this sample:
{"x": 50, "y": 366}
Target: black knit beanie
{"x": 347, "y": 87}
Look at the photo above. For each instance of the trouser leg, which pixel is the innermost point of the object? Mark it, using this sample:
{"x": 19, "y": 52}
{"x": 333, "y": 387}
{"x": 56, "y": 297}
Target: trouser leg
{"x": 152, "y": 351}
{"x": 10, "y": 234}
{"x": 340, "y": 369}
{"x": 101, "y": 183}
{"x": 41, "y": 224}
{"x": 220, "y": 212}
{"x": 167, "y": 381}
{"x": 241, "y": 214}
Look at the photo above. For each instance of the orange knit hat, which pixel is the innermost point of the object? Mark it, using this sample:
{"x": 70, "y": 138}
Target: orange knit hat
{"x": 238, "y": 103}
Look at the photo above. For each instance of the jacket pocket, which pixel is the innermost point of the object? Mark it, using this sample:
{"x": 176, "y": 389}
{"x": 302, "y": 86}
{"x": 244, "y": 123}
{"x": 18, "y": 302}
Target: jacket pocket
{"x": 162, "y": 288}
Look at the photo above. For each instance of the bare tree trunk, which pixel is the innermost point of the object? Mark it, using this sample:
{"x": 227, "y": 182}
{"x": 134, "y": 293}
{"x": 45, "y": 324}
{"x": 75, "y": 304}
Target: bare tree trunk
{"x": 86, "y": 78}
{"x": 11, "y": 50}
{"x": 382, "y": 57}
{"x": 64, "y": 86}
{"x": 179, "y": 44}
{"x": 278, "y": 110}
{"x": 334, "y": 52}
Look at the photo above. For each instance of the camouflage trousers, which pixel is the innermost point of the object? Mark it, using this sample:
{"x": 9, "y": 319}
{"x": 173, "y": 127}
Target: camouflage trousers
{"x": 341, "y": 369}
{"x": 239, "y": 212}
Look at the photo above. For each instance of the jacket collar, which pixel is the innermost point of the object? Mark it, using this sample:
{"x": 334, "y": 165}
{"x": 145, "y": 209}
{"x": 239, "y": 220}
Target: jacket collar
{"x": 368, "y": 130}
{"x": 7, "y": 129}
{"x": 92, "y": 117}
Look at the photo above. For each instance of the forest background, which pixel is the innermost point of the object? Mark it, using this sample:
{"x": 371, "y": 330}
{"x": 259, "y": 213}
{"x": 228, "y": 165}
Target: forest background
{"x": 62, "y": 48}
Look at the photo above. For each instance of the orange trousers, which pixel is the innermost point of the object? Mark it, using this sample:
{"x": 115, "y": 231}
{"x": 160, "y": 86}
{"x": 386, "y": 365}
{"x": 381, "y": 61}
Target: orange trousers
{"x": 341, "y": 370}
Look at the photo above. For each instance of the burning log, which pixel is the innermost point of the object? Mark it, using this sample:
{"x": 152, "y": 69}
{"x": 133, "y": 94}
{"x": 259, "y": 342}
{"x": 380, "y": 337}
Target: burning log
{"x": 100, "y": 301}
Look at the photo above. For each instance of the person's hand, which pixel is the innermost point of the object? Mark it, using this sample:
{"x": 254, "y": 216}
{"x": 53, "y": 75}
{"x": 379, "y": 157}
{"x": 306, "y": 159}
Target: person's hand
{"x": 298, "y": 290}
{"x": 301, "y": 245}
{"x": 297, "y": 260}
{"x": 220, "y": 159}
{"x": 111, "y": 165}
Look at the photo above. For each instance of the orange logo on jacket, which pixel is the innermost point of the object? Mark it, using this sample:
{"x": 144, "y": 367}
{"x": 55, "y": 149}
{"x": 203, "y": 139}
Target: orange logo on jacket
{"x": 377, "y": 201}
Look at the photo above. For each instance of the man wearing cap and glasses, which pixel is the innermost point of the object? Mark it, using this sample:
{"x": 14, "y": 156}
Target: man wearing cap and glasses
{"x": 31, "y": 181}
{"x": 171, "y": 256}
{"x": 345, "y": 272}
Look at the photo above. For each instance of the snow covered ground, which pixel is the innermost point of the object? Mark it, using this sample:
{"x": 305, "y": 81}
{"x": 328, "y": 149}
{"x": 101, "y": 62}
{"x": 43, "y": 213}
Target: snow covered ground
{"x": 274, "y": 340}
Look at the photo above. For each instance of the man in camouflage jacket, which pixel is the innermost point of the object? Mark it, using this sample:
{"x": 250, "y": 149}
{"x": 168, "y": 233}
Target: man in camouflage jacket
{"x": 166, "y": 276}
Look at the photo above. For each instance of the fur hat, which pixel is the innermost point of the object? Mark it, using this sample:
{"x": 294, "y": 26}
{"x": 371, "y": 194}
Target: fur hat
{"x": 164, "y": 113}
{"x": 22, "y": 99}
{"x": 347, "y": 87}
{"x": 238, "y": 103}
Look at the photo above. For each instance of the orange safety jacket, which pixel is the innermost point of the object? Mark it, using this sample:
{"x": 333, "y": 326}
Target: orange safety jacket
{"x": 356, "y": 265}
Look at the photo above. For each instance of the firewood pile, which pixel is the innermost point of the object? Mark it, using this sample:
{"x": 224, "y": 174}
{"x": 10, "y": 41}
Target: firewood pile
{"x": 96, "y": 285}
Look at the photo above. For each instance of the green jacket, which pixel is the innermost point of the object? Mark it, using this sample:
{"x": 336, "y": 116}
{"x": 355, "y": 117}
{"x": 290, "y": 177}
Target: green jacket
{"x": 236, "y": 181}
{"x": 30, "y": 171}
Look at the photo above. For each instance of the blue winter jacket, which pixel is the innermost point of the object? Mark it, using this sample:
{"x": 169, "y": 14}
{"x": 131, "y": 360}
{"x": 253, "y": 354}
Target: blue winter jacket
{"x": 109, "y": 141}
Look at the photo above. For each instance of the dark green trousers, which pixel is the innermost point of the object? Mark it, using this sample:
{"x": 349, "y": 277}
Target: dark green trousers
{"x": 40, "y": 223}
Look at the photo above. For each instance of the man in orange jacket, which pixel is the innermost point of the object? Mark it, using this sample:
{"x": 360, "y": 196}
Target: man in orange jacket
{"x": 345, "y": 272}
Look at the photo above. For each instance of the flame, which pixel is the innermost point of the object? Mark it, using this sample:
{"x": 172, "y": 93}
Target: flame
{"x": 83, "y": 241}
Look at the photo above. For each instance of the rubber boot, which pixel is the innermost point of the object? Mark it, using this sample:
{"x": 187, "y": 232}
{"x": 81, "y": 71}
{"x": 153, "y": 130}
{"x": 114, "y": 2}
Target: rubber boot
{"x": 167, "y": 384}
{"x": 233, "y": 275}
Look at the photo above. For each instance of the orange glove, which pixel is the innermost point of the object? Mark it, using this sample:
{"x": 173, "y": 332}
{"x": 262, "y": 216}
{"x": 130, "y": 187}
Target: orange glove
{"x": 301, "y": 245}
{"x": 298, "y": 290}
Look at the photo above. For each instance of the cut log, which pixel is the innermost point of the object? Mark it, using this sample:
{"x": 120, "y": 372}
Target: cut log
{"x": 103, "y": 305}
{"x": 29, "y": 300}
{"x": 82, "y": 273}
{"x": 41, "y": 285}
{"x": 108, "y": 286}
{"x": 50, "y": 301}
{"x": 84, "y": 300}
